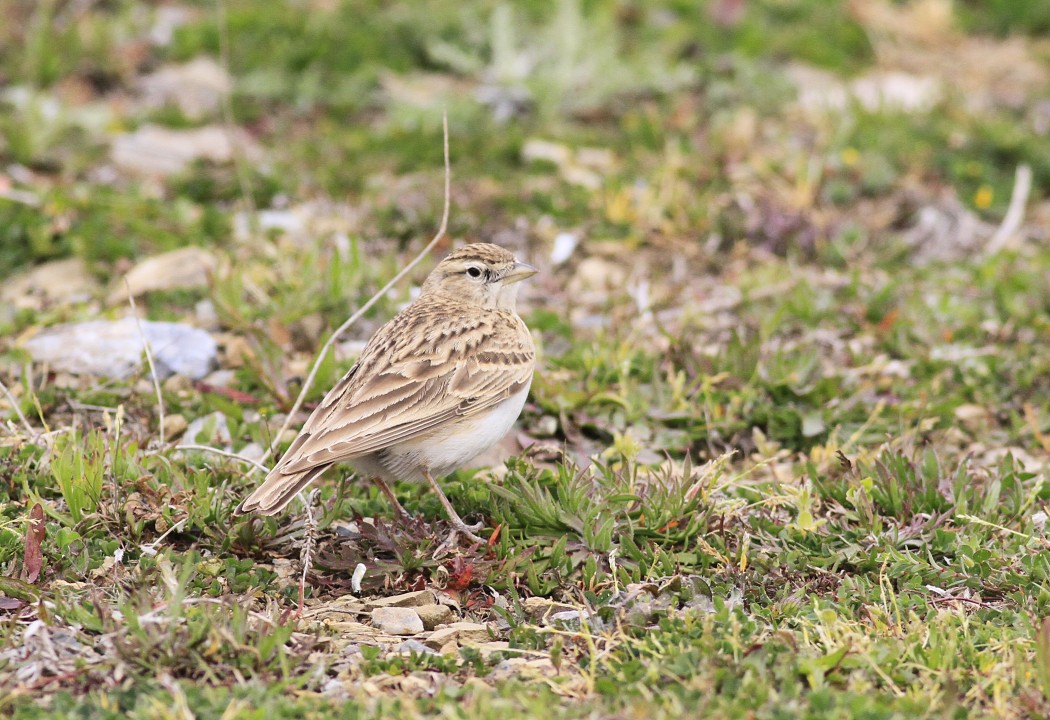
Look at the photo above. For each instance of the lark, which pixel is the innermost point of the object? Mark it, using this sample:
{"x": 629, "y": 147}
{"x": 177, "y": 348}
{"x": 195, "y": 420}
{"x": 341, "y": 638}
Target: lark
{"x": 435, "y": 387}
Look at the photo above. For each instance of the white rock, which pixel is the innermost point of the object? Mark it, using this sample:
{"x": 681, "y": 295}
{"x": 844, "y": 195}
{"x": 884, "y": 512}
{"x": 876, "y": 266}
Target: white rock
{"x": 397, "y": 620}
{"x": 114, "y": 348}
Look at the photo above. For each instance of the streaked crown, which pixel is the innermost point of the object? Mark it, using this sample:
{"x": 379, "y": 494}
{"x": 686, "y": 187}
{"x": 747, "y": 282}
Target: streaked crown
{"x": 487, "y": 253}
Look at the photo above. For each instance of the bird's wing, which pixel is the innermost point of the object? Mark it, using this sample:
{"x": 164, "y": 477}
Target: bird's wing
{"x": 421, "y": 370}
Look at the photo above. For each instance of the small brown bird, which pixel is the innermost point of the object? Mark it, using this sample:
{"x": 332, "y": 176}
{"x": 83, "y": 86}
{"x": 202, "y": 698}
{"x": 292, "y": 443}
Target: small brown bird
{"x": 436, "y": 386}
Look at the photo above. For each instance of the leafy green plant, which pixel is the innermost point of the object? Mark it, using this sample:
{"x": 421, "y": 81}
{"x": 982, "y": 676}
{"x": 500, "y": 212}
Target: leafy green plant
{"x": 78, "y": 465}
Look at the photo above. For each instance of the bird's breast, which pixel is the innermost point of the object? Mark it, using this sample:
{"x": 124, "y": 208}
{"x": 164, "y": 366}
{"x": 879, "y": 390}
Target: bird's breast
{"x": 452, "y": 446}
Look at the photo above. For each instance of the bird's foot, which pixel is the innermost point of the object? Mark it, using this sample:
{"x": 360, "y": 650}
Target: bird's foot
{"x": 460, "y": 528}
{"x": 469, "y": 531}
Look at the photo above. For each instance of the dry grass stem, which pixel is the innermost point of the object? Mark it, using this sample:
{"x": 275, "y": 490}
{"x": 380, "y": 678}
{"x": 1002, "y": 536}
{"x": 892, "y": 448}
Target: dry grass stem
{"x": 224, "y": 453}
{"x": 309, "y": 543}
{"x": 372, "y": 300}
{"x": 149, "y": 359}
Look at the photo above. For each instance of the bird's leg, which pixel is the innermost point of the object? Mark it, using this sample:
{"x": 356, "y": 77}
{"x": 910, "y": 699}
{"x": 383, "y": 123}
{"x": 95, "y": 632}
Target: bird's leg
{"x": 402, "y": 514}
{"x": 457, "y": 522}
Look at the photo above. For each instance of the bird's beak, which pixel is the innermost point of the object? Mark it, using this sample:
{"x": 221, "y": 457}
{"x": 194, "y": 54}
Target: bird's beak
{"x": 520, "y": 271}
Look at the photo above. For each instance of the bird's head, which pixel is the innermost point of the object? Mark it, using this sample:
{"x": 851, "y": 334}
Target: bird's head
{"x": 480, "y": 274}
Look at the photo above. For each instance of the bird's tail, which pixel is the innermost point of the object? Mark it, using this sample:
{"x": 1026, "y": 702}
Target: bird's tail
{"x": 277, "y": 490}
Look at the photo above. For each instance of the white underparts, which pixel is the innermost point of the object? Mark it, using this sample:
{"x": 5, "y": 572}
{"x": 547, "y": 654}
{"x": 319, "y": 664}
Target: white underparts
{"x": 450, "y": 447}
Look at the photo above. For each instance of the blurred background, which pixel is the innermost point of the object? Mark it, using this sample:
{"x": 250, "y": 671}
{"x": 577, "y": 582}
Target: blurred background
{"x": 129, "y": 128}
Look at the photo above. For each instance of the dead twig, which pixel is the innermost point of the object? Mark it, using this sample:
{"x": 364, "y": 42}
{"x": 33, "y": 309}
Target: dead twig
{"x": 151, "y": 548}
{"x": 18, "y": 411}
{"x": 956, "y": 598}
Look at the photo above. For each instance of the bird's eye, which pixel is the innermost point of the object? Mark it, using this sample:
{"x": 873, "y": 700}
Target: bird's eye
{"x": 474, "y": 272}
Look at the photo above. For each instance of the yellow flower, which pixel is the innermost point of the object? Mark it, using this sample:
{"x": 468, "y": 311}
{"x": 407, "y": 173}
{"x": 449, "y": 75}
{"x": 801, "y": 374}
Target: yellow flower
{"x": 982, "y": 199}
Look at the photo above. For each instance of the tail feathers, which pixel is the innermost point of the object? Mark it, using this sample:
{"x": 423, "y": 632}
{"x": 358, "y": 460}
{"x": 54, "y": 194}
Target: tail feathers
{"x": 277, "y": 491}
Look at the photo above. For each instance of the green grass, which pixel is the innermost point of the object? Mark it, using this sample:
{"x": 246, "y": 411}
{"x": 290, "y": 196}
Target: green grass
{"x": 786, "y": 466}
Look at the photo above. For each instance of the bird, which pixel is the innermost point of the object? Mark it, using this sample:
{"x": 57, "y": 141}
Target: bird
{"x": 441, "y": 382}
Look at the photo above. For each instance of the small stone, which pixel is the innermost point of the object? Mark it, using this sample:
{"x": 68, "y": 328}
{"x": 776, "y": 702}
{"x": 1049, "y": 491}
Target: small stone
{"x": 471, "y": 633}
{"x": 334, "y": 688}
{"x": 177, "y": 385}
{"x": 351, "y": 629}
{"x": 397, "y": 620}
{"x": 221, "y": 378}
{"x": 188, "y": 267}
{"x": 414, "y": 646}
{"x": 546, "y": 426}
{"x": 205, "y": 315}
{"x": 463, "y": 633}
{"x": 158, "y": 151}
{"x": 973, "y": 417}
{"x": 209, "y": 430}
{"x": 196, "y": 88}
{"x": 405, "y": 600}
{"x": 493, "y": 646}
{"x": 237, "y": 351}
{"x": 439, "y": 638}
{"x": 434, "y": 615}
{"x": 537, "y": 608}
{"x": 56, "y": 281}
{"x": 174, "y": 425}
